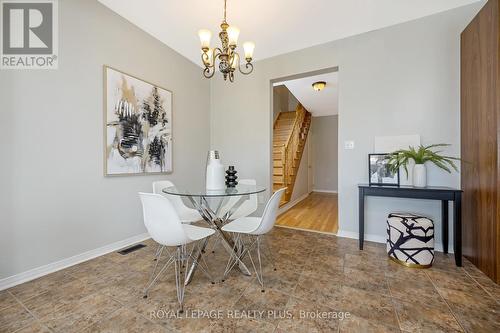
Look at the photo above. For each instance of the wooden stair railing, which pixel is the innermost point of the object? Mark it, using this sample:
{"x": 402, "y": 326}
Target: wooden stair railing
{"x": 290, "y": 152}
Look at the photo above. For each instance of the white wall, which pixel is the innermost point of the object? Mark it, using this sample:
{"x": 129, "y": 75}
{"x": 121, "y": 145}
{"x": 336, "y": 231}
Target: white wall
{"x": 54, "y": 200}
{"x": 325, "y": 153}
{"x": 399, "y": 80}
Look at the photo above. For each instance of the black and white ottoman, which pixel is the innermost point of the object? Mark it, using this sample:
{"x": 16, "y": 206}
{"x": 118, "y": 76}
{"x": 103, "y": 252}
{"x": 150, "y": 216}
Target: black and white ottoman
{"x": 410, "y": 239}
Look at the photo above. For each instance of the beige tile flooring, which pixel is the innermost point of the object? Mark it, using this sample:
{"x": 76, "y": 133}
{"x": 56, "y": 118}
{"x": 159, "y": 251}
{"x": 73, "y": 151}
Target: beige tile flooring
{"x": 316, "y": 274}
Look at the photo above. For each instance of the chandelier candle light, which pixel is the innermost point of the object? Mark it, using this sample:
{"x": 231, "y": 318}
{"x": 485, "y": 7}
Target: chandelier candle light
{"x": 226, "y": 55}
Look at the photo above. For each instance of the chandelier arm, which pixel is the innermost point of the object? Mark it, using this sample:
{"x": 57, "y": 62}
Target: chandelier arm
{"x": 209, "y": 73}
{"x": 248, "y": 66}
{"x": 204, "y": 59}
{"x": 216, "y": 53}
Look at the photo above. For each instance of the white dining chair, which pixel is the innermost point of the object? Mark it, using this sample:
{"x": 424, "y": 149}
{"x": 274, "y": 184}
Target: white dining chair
{"x": 253, "y": 228}
{"x": 186, "y": 214}
{"x": 165, "y": 228}
{"x": 246, "y": 208}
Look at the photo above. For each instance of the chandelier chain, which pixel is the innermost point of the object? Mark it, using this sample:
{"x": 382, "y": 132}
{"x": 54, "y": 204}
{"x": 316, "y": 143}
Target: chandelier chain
{"x": 225, "y": 1}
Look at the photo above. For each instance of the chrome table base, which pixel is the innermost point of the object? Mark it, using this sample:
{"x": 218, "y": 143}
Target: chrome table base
{"x": 211, "y": 217}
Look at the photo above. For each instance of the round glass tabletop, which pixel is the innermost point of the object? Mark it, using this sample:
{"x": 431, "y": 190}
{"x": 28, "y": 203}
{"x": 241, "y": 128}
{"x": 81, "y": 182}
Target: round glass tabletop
{"x": 201, "y": 191}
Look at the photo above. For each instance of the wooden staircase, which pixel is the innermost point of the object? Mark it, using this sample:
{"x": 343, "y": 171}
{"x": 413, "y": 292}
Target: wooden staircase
{"x": 290, "y": 132}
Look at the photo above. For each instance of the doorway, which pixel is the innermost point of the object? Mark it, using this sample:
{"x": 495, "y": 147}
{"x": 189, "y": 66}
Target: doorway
{"x": 305, "y": 149}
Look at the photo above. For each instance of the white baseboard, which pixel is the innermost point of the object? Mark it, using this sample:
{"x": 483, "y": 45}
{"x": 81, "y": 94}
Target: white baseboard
{"x": 292, "y": 203}
{"x": 354, "y": 235}
{"x": 64, "y": 263}
{"x": 324, "y": 191}
{"x": 308, "y": 230}
{"x": 382, "y": 239}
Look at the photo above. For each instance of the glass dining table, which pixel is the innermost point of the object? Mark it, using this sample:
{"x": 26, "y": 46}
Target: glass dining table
{"x": 216, "y": 207}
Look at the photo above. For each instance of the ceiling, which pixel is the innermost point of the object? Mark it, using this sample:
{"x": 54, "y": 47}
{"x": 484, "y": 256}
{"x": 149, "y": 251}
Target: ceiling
{"x": 319, "y": 103}
{"x": 276, "y": 26}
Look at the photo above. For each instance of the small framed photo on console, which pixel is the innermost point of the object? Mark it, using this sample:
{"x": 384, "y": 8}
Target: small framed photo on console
{"x": 379, "y": 173}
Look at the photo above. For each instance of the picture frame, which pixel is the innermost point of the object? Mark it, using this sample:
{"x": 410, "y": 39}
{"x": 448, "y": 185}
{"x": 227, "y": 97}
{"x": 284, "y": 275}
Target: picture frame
{"x": 138, "y": 123}
{"x": 379, "y": 173}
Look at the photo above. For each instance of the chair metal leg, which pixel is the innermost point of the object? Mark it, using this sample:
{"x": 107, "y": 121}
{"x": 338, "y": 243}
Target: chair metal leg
{"x": 180, "y": 276}
{"x": 180, "y": 259}
{"x": 202, "y": 264}
{"x": 258, "y": 272}
{"x": 238, "y": 252}
{"x": 151, "y": 283}
{"x": 157, "y": 261}
{"x": 269, "y": 253}
{"x": 232, "y": 257}
{"x": 158, "y": 250}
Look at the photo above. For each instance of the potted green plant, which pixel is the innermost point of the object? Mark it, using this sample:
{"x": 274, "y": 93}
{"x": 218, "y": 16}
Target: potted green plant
{"x": 421, "y": 155}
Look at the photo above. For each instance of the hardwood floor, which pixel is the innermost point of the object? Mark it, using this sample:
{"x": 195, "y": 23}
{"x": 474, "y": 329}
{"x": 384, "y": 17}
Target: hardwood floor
{"x": 318, "y": 212}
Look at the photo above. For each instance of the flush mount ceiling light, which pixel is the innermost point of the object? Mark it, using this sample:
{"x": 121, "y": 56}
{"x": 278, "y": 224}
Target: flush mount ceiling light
{"x": 318, "y": 86}
{"x": 226, "y": 55}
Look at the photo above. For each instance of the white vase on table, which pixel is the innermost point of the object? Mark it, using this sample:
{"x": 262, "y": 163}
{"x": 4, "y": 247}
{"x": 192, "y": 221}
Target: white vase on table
{"x": 419, "y": 175}
{"x": 215, "y": 177}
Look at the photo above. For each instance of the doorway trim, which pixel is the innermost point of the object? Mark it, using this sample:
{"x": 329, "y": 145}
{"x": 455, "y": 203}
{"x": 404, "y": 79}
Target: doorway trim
{"x": 271, "y": 105}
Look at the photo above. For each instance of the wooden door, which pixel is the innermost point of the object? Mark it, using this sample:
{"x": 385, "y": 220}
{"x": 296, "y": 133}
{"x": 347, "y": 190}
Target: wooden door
{"x": 480, "y": 134}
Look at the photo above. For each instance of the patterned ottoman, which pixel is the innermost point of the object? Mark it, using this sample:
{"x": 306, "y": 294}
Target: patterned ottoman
{"x": 410, "y": 239}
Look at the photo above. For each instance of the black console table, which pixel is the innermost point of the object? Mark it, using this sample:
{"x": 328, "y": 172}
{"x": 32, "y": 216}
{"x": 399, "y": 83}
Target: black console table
{"x": 444, "y": 194}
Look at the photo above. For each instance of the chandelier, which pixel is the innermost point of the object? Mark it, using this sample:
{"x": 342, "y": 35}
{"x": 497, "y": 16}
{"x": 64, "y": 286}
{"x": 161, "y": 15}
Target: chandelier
{"x": 226, "y": 55}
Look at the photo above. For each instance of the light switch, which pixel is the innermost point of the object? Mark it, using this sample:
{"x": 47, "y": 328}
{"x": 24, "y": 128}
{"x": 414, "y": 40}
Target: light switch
{"x": 348, "y": 144}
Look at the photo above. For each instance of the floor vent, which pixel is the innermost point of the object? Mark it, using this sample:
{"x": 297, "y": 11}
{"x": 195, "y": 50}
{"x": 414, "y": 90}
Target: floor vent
{"x": 131, "y": 249}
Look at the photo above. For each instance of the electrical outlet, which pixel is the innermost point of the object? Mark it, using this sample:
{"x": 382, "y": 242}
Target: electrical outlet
{"x": 348, "y": 144}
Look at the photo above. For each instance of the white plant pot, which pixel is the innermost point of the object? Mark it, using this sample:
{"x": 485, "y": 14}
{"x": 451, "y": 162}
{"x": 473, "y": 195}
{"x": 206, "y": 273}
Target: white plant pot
{"x": 419, "y": 175}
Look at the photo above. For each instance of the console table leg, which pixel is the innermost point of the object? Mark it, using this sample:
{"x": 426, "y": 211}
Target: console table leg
{"x": 444, "y": 224}
{"x": 457, "y": 228}
{"x": 361, "y": 218}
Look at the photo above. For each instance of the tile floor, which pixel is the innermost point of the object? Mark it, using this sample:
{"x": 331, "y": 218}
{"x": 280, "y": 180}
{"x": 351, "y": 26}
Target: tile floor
{"x": 316, "y": 275}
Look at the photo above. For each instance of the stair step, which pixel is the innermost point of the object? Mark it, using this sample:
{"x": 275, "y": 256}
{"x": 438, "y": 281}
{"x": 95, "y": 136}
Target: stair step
{"x": 277, "y": 152}
{"x": 277, "y": 164}
{"x": 288, "y": 114}
{"x": 282, "y": 129}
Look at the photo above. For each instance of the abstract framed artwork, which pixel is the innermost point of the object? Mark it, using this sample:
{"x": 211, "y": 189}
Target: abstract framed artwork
{"x": 138, "y": 125}
{"x": 379, "y": 172}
